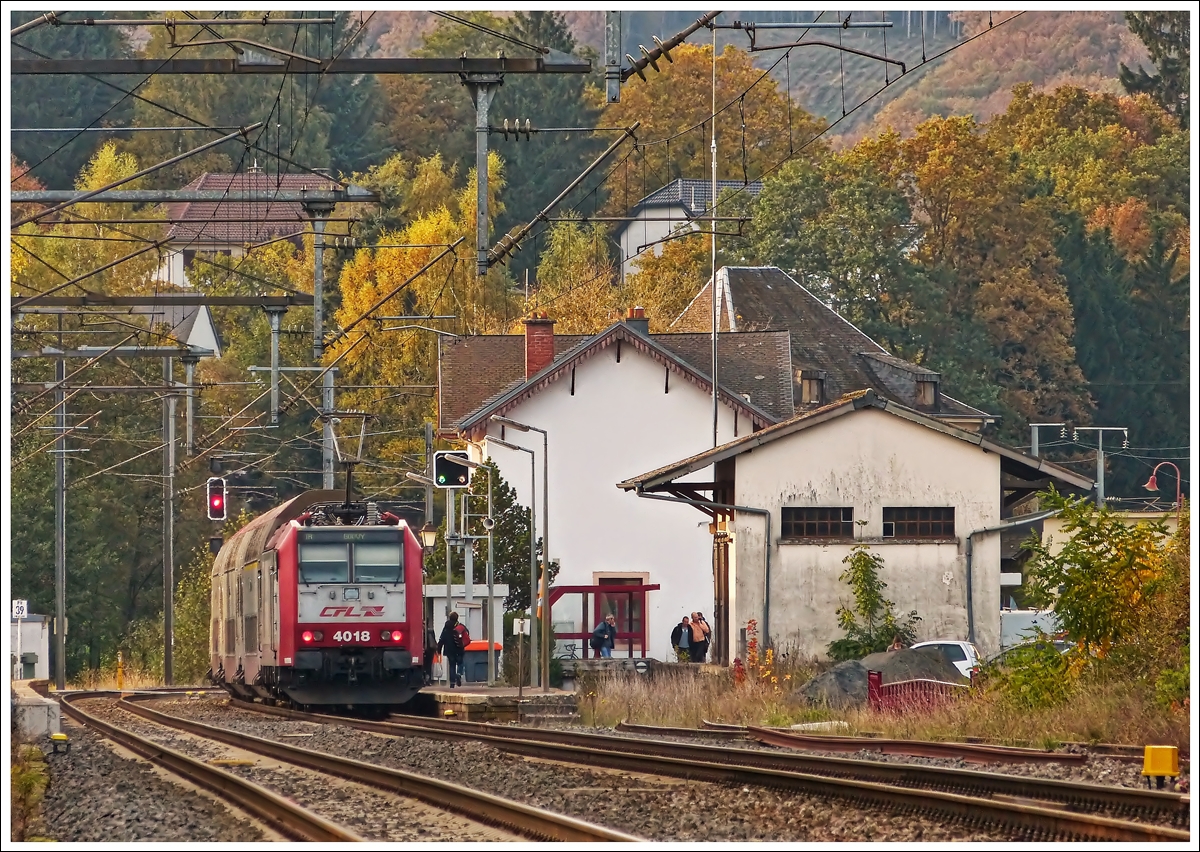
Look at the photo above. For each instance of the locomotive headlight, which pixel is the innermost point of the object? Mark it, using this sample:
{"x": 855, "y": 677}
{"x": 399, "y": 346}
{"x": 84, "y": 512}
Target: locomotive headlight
{"x": 318, "y": 635}
{"x": 397, "y": 635}
{"x": 386, "y": 636}
{"x": 307, "y": 636}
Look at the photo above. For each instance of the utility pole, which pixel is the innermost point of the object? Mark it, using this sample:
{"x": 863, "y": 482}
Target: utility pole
{"x": 327, "y": 409}
{"x": 1033, "y": 441}
{"x": 612, "y": 57}
{"x": 1100, "y": 430}
{"x": 482, "y": 88}
{"x": 429, "y": 472}
{"x": 168, "y": 526}
{"x": 713, "y": 227}
{"x": 60, "y": 521}
{"x": 189, "y": 367}
{"x": 318, "y": 208}
{"x": 274, "y": 315}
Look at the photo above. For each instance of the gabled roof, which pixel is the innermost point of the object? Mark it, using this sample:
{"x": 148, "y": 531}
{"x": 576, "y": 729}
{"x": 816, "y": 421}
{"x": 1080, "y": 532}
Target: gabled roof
{"x": 755, "y": 365}
{"x": 224, "y": 222}
{"x": 191, "y": 325}
{"x": 1012, "y": 461}
{"x": 692, "y": 194}
{"x": 822, "y": 340}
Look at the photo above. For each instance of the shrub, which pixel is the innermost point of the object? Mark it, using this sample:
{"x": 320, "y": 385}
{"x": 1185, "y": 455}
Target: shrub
{"x": 872, "y": 624}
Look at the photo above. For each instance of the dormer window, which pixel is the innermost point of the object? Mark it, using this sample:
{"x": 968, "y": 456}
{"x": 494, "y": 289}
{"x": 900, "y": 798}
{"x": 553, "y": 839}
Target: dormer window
{"x": 927, "y": 392}
{"x": 812, "y": 386}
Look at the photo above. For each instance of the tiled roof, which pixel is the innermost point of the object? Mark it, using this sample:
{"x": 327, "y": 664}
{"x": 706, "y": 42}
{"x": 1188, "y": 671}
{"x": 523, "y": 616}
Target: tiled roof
{"x": 767, "y": 297}
{"x": 693, "y": 194}
{"x": 222, "y": 222}
{"x": 1012, "y": 461}
{"x": 474, "y": 372}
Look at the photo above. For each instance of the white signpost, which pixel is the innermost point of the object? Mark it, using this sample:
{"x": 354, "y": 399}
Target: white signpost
{"x": 521, "y": 628}
{"x": 20, "y": 609}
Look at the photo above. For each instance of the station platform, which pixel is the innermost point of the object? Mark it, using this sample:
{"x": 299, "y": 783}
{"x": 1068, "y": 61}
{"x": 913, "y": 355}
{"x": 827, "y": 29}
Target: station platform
{"x": 34, "y": 713}
{"x": 476, "y": 702}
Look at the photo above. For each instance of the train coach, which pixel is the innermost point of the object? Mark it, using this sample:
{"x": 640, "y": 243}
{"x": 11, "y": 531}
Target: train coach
{"x": 318, "y": 602}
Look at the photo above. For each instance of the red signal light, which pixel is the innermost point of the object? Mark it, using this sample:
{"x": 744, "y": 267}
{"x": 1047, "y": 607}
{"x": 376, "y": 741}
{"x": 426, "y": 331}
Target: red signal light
{"x": 307, "y": 636}
{"x": 397, "y": 635}
{"x": 216, "y": 498}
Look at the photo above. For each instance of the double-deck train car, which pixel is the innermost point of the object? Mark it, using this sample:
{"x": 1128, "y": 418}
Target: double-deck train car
{"x": 317, "y": 602}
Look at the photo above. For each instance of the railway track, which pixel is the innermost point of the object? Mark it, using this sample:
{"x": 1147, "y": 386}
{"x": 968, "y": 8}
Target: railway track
{"x": 288, "y": 818}
{"x": 1031, "y": 808}
{"x": 971, "y": 748}
{"x": 527, "y": 821}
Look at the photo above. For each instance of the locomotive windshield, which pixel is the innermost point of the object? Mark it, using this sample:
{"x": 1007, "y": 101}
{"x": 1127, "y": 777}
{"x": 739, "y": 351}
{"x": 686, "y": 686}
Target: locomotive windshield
{"x": 377, "y": 562}
{"x": 324, "y": 563}
{"x": 370, "y": 556}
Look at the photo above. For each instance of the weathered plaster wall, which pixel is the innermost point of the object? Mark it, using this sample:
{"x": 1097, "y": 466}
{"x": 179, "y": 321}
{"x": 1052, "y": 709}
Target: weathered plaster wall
{"x": 869, "y": 459}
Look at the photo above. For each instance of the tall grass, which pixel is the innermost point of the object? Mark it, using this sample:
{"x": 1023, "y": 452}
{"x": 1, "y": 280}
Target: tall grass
{"x": 1111, "y": 712}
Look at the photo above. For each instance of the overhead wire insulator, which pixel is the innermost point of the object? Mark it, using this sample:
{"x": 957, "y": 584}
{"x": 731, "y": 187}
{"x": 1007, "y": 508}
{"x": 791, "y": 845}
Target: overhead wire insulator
{"x": 666, "y": 54}
{"x": 528, "y": 129}
{"x": 637, "y": 66}
{"x": 506, "y": 130}
{"x": 649, "y": 57}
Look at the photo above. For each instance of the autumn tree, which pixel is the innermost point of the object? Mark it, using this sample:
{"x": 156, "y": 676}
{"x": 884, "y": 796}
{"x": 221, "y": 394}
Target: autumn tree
{"x": 435, "y": 114}
{"x": 1167, "y": 36}
{"x": 576, "y": 278}
{"x": 665, "y": 284}
{"x": 673, "y": 107}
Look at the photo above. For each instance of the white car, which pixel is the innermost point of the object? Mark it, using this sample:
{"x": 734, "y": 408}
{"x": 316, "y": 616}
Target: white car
{"x": 963, "y": 655}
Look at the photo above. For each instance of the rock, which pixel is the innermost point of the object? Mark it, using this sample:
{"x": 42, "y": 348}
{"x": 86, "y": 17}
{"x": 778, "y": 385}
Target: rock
{"x": 844, "y": 685}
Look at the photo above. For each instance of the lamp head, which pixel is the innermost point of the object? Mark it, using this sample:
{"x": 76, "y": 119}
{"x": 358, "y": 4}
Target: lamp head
{"x": 1152, "y": 484}
{"x": 511, "y": 424}
{"x": 428, "y": 535}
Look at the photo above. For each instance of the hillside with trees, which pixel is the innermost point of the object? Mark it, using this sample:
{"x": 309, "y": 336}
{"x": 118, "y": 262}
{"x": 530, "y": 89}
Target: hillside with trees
{"x": 1025, "y": 233}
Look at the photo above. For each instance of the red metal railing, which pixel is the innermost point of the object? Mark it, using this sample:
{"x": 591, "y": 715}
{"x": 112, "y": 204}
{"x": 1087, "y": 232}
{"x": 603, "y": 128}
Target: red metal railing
{"x": 910, "y": 694}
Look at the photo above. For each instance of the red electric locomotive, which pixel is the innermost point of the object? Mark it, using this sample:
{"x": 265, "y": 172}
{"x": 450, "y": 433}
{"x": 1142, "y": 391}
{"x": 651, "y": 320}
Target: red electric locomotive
{"x": 318, "y": 602}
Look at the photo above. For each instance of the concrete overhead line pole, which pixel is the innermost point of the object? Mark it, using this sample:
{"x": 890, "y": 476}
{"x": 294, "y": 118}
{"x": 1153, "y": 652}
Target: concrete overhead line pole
{"x": 168, "y": 526}
{"x": 482, "y": 88}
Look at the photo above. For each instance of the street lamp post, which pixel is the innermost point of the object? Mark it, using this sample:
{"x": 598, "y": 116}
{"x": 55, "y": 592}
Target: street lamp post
{"x": 532, "y": 546}
{"x": 1152, "y": 485}
{"x": 489, "y": 524}
{"x": 544, "y": 589}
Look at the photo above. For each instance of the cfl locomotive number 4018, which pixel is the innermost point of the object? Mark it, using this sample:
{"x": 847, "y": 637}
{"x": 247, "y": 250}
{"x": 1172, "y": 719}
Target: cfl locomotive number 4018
{"x": 352, "y": 636}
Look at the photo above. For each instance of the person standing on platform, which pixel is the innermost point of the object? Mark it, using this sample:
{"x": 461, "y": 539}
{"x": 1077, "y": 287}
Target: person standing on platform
{"x": 452, "y": 645}
{"x": 681, "y": 640}
{"x": 604, "y": 637}
{"x": 700, "y": 634}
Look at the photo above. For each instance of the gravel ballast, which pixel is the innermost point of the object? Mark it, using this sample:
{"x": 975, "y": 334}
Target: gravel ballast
{"x": 96, "y": 795}
{"x": 373, "y": 814}
{"x": 652, "y": 807}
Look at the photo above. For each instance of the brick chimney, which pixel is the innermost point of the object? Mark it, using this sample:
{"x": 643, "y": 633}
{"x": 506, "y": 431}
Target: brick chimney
{"x": 539, "y": 343}
{"x": 638, "y": 322}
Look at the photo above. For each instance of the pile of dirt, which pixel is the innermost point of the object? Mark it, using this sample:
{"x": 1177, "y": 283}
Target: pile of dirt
{"x": 912, "y": 664}
{"x": 845, "y": 685}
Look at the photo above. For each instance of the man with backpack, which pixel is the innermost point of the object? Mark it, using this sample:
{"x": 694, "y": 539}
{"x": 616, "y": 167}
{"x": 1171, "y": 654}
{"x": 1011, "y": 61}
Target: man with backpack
{"x": 453, "y": 643}
{"x": 604, "y": 637}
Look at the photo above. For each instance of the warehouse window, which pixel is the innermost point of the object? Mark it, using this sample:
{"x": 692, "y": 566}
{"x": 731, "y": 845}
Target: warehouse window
{"x": 926, "y": 522}
{"x": 818, "y": 522}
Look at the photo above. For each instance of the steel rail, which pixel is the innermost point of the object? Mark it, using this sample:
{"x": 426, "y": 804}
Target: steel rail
{"x": 688, "y": 733}
{"x": 696, "y": 761}
{"x": 970, "y": 752}
{"x": 743, "y": 767}
{"x": 1111, "y": 751}
{"x": 523, "y": 819}
{"x": 286, "y": 817}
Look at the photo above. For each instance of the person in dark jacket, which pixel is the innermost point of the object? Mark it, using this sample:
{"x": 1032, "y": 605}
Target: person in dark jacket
{"x": 451, "y": 645}
{"x": 604, "y": 637}
{"x": 681, "y": 639}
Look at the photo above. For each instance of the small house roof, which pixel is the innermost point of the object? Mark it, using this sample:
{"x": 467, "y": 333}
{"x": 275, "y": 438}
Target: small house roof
{"x": 1012, "y": 461}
